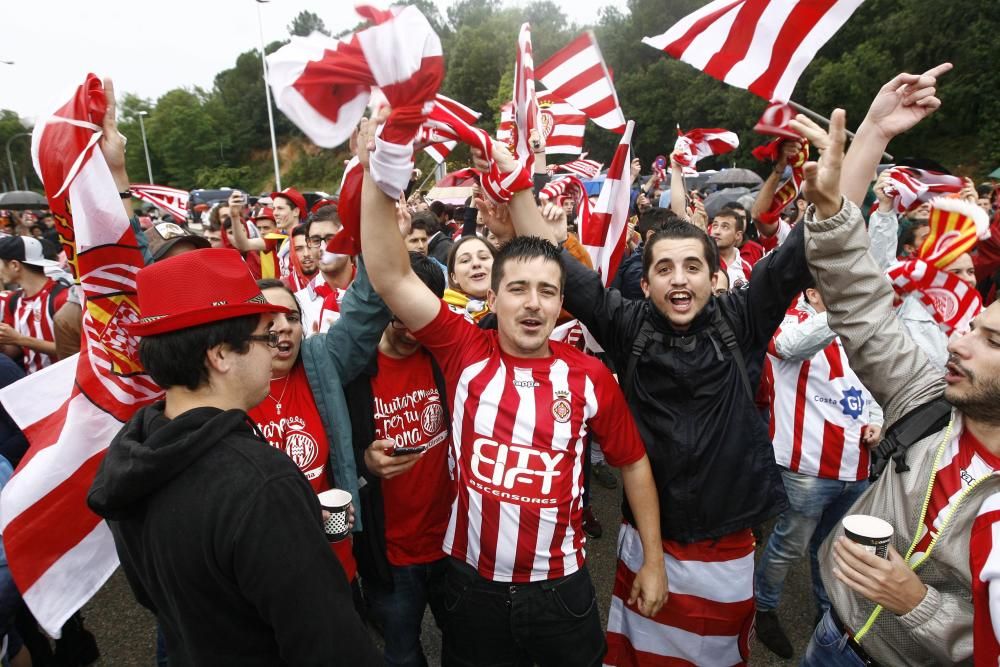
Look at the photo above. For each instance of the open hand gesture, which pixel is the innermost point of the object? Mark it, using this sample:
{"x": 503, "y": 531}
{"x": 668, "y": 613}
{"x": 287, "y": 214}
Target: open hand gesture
{"x": 112, "y": 141}
{"x": 822, "y": 178}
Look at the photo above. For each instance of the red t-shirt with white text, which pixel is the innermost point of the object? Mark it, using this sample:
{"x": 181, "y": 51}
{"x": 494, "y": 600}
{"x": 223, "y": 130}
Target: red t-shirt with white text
{"x": 408, "y": 410}
{"x": 296, "y": 428}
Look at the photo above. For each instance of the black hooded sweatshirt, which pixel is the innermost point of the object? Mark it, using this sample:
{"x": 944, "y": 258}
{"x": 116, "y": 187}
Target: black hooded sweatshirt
{"x": 220, "y": 536}
{"x": 712, "y": 458}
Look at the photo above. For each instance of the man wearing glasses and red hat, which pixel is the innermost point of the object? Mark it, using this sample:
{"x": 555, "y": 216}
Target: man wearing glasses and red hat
{"x": 218, "y": 534}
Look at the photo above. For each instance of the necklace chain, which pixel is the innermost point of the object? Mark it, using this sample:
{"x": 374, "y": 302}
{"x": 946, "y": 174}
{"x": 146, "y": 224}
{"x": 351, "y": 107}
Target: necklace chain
{"x": 277, "y": 401}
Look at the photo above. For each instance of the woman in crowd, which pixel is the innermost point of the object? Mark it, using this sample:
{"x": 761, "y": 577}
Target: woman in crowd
{"x": 470, "y": 267}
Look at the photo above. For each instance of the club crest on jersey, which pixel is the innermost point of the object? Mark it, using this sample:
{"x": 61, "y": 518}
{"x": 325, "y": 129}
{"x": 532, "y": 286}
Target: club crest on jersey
{"x": 431, "y": 417}
{"x": 562, "y": 410}
{"x": 852, "y": 403}
{"x": 300, "y": 446}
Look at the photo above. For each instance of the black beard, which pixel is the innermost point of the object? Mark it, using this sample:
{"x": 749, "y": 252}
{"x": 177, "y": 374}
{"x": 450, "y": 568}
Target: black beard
{"x": 982, "y": 403}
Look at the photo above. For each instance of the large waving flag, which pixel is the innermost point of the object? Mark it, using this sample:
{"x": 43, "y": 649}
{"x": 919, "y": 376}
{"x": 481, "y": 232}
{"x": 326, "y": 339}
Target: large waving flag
{"x": 562, "y": 126}
{"x": 171, "y": 200}
{"x": 603, "y": 235}
{"x": 760, "y": 46}
{"x": 582, "y": 168}
{"x": 324, "y": 85}
{"x": 60, "y": 553}
{"x": 577, "y": 74}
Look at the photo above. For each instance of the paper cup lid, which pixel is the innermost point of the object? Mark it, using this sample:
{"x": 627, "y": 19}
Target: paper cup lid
{"x": 868, "y": 526}
{"x": 334, "y": 498}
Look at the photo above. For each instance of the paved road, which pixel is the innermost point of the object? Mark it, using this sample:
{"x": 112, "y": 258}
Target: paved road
{"x": 125, "y": 631}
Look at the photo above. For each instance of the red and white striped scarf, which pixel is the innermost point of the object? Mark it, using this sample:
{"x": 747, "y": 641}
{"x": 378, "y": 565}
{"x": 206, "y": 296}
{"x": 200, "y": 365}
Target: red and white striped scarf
{"x": 951, "y": 301}
{"x": 526, "y": 113}
{"x": 437, "y": 139}
{"x": 788, "y": 189}
{"x": 909, "y": 186}
{"x": 569, "y": 186}
{"x": 581, "y": 168}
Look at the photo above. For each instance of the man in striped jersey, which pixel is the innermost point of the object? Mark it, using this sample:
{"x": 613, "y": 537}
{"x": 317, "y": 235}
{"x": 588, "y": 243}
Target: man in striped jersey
{"x": 823, "y": 421}
{"x": 27, "y": 314}
{"x": 517, "y": 590}
{"x": 914, "y": 606}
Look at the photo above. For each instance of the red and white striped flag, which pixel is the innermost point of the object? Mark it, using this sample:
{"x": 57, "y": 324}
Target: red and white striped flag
{"x": 909, "y": 186}
{"x": 526, "y": 112}
{"x": 171, "y": 200}
{"x": 437, "y": 134}
{"x": 60, "y": 553}
{"x": 562, "y": 126}
{"x": 582, "y": 168}
{"x": 569, "y": 186}
{"x": 693, "y": 145}
{"x": 760, "y": 46}
{"x": 324, "y": 85}
{"x": 775, "y": 121}
{"x": 577, "y": 74}
{"x": 603, "y": 235}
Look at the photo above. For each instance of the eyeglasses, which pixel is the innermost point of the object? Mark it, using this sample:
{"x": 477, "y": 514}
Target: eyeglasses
{"x": 317, "y": 241}
{"x": 270, "y": 338}
{"x": 396, "y": 324}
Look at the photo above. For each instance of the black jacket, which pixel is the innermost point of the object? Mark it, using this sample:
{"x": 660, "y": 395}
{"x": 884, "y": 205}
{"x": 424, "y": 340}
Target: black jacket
{"x": 220, "y": 535}
{"x": 439, "y": 246}
{"x": 709, "y": 448}
{"x": 369, "y": 545}
{"x": 628, "y": 280}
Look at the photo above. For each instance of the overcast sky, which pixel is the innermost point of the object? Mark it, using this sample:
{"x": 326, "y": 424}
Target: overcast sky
{"x": 151, "y": 47}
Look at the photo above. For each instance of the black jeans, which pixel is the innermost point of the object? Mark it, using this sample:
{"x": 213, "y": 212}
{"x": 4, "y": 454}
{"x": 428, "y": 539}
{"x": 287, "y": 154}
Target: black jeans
{"x": 496, "y": 624}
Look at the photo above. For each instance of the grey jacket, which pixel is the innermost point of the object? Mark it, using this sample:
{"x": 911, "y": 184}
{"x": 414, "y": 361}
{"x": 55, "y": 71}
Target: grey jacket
{"x": 334, "y": 359}
{"x": 938, "y": 631}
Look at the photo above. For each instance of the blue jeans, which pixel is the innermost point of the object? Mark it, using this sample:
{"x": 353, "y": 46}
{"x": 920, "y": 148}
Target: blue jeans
{"x": 400, "y": 611}
{"x": 815, "y": 505}
{"x": 828, "y": 647}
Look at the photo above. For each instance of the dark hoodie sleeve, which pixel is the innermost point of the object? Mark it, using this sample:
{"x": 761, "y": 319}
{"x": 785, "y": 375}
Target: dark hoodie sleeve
{"x": 604, "y": 312}
{"x": 775, "y": 283}
{"x": 284, "y": 566}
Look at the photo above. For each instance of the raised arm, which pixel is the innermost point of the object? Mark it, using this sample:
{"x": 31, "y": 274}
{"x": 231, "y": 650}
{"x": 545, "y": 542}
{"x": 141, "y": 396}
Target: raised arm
{"x": 384, "y": 250}
{"x": 678, "y": 193}
{"x": 858, "y": 299}
{"x": 241, "y": 241}
{"x": 898, "y": 106}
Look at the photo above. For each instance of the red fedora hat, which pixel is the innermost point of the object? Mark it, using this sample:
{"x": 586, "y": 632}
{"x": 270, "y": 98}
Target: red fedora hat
{"x": 196, "y": 288}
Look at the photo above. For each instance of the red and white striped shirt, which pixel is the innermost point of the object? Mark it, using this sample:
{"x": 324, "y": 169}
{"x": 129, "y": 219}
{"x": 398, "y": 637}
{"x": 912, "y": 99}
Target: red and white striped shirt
{"x": 32, "y": 316}
{"x": 776, "y": 239}
{"x": 519, "y": 430}
{"x": 738, "y": 271}
{"x": 818, "y": 408}
{"x": 964, "y": 461}
{"x": 984, "y": 564}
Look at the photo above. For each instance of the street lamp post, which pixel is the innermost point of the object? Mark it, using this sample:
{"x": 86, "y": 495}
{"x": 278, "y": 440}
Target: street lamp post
{"x": 145, "y": 146}
{"x": 10, "y": 160}
{"x": 267, "y": 95}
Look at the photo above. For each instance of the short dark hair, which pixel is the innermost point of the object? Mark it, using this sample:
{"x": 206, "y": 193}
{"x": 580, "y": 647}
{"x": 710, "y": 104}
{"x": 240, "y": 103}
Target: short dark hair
{"x": 31, "y": 268}
{"x": 525, "y": 248}
{"x": 298, "y": 230}
{"x": 438, "y": 207}
{"x": 453, "y": 253}
{"x": 681, "y": 230}
{"x": 427, "y": 219}
{"x": 650, "y": 221}
{"x": 177, "y": 358}
{"x": 909, "y": 235}
{"x": 429, "y": 272}
{"x": 419, "y": 223}
{"x": 984, "y": 190}
{"x": 326, "y": 213}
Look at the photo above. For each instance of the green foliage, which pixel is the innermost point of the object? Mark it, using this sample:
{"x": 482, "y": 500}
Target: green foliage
{"x": 306, "y": 23}
{"x": 221, "y": 136}
{"x": 11, "y": 129}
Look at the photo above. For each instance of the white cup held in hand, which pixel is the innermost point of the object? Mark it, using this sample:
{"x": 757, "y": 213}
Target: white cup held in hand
{"x": 871, "y": 532}
{"x": 335, "y": 501}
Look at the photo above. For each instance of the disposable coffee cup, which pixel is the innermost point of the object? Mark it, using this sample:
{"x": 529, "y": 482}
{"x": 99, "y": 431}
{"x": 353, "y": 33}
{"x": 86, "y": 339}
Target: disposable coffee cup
{"x": 871, "y": 532}
{"x": 335, "y": 501}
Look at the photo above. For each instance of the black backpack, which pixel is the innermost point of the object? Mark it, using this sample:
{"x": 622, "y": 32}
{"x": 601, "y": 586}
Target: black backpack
{"x": 915, "y": 425}
{"x": 57, "y": 289}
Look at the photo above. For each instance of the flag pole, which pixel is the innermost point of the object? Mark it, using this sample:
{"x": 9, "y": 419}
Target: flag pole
{"x": 826, "y": 121}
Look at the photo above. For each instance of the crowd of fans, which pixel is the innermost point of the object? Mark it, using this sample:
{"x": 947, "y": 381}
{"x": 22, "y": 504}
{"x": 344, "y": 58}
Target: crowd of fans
{"x": 467, "y": 376}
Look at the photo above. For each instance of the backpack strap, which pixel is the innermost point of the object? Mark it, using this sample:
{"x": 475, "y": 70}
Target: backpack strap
{"x": 912, "y": 427}
{"x": 639, "y": 345}
{"x": 57, "y": 289}
{"x": 725, "y": 330}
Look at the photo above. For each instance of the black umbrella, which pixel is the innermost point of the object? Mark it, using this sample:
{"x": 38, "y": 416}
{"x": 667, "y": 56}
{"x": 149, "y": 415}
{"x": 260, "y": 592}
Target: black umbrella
{"x": 22, "y": 200}
{"x": 734, "y": 177}
{"x": 715, "y": 201}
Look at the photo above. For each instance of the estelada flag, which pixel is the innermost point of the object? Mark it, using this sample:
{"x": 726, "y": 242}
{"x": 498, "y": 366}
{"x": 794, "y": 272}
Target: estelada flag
{"x": 59, "y": 552}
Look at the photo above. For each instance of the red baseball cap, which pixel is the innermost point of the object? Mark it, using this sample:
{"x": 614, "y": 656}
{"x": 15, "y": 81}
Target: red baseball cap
{"x": 266, "y": 213}
{"x": 224, "y": 290}
{"x": 296, "y": 199}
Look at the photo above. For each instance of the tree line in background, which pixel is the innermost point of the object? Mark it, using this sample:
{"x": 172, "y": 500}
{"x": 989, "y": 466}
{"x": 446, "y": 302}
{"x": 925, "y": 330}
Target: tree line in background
{"x": 220, "y": 137}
